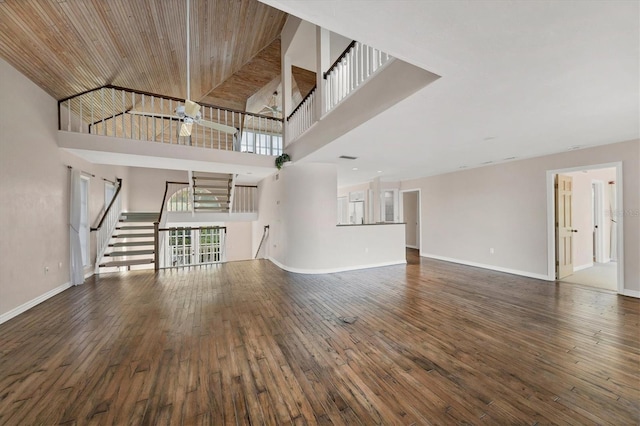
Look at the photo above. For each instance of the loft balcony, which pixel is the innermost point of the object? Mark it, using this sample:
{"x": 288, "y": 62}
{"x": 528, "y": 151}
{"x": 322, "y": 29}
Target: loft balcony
{"x": 115, "y": 125}
{"x": 359, "y": 84}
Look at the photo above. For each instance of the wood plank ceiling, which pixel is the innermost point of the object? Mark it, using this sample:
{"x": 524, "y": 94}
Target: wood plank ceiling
{"x": 67, "y": 47}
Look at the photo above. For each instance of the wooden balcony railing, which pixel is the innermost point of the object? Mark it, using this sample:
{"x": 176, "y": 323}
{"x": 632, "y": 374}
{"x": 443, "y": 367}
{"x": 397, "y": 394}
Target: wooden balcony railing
{"x": 352, "y": 69}
{"x": 132, "y": 114}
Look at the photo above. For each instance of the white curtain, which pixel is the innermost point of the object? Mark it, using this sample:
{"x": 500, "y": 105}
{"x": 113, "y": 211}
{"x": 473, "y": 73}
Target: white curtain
{"x": 75, "y": 264}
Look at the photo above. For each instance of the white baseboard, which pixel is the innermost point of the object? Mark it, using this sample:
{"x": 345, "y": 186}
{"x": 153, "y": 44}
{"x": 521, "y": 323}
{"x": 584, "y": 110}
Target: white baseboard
{"x": 334, "y": 270}
{"x": 581, "y": 267}
{"x": 491, "y": 267}
{"x": 33, "y": 302}
{"x": 412, "y": 247}
{"x": 631, "y": 293}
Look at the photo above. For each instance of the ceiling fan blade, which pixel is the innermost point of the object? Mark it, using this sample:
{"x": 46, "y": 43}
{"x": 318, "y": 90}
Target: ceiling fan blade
{"x": 191, "y": 108}
{"x": 185, "y": 129}
{"x": 217, "y": 126}
{"x": 153, "y": 114}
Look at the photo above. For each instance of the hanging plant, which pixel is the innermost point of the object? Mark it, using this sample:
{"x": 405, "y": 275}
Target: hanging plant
{"x": 281, "y": 159}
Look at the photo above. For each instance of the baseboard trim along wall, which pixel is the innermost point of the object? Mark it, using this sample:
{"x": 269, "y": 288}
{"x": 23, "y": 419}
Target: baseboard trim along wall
{"x": 33, "y": 302}
{"x": 631, "y": 293}
{"x": 491, "y": 267}
{"x": 334, "y": 270}
{"x": 581, "y": 267}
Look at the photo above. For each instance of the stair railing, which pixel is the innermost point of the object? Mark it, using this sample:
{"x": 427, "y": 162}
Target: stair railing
{"x": 353, "y": 67}
{"x": 264, "y": 235}
{"x": 245, "y": 199}
{"x": 303, "y": 116}
{"x": 232, "y": 192}
{"x": 107, "y": 224}
{"x": 356, "y": 64}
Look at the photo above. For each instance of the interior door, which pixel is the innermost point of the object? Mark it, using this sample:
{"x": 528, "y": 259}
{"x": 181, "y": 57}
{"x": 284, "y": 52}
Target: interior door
{"x": 564, "y": 226}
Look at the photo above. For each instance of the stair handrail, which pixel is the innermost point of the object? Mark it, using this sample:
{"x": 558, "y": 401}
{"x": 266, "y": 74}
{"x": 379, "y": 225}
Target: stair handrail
{"x": 311, "y": 92}
{"x": 107, "y": 224}
{"x": 106, "y": 212}
{"x": 264, "y": 235}
{"x": 340, "y": 58}
{"x": 157, "y": 244}
{"x": 164, "y": 197}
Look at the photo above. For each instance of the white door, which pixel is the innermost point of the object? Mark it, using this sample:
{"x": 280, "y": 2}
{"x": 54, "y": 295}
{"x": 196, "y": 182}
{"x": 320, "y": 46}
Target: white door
{"x": 564, "y": 226}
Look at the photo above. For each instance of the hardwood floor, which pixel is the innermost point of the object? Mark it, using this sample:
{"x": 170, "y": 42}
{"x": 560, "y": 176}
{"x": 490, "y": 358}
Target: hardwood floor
{"x": 244, "y": 342}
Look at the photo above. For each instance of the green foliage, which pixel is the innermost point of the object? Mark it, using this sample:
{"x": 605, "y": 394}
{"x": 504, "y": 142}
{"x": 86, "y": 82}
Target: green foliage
{"x": 281, "y": 159}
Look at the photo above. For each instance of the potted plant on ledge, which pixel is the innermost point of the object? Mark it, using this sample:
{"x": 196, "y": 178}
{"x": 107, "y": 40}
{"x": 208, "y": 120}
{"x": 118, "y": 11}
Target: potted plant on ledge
{"x": 282, "y": 159}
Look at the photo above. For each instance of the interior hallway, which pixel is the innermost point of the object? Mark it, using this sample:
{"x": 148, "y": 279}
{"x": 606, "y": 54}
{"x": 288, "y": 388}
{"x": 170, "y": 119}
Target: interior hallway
{"x": 600, "y": 275}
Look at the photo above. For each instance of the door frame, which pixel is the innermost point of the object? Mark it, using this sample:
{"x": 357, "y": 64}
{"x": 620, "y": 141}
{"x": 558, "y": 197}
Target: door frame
{"x": 598, "y": 220}
{"x": 401, "y": 207}
{"x": 551, "y": 237}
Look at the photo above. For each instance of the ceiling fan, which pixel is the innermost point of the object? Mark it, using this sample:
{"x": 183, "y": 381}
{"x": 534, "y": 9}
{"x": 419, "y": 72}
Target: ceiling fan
{"x": 273, "y": 108}
{"x": 189, "y": 113}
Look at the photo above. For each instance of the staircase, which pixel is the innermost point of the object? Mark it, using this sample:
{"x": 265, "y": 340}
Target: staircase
{"x": 212, "y": 192}
{"x": 132, "y": 243}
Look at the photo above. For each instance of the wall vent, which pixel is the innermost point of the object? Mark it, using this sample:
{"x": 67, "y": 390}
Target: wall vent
{"x": 348, "y": 157}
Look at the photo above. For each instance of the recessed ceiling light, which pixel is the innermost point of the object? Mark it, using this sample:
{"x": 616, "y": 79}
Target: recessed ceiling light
{"x": 379, "y": 171}
{"x": 249, "y": 173}
{"x": 355, "y": 168}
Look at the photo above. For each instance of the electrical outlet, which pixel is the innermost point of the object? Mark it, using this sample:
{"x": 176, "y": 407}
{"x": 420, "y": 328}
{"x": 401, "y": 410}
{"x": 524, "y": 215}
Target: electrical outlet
{"x": 491, "y": 250}
{"x": 46, "y": 269}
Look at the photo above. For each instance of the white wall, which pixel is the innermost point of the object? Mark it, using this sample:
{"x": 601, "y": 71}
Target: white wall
{"x": 238, "y": 241}
{"x": 583, "y": 216}
{"x": 34, "y": 187}
{"x": 147, "y": 187}
{"x": 410, "y": 213}
{"x": 300, "y": 207}
{"x": 504, "y": 207}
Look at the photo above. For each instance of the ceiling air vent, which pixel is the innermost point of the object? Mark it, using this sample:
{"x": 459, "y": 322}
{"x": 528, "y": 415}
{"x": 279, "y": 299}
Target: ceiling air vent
{"x": 348, "y": 157}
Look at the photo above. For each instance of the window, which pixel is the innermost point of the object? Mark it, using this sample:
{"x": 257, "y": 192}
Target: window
{"x": 180, "y": 201}
{"x": 195, "y": 246}
{"x": 389, "y": 205}
{"x": 210, "y": 247}
{"x": 261, "y": 143}
{"x": 84, "y": 219}
{"x": 109, "y": 192}
{"x": 180, "y": 247}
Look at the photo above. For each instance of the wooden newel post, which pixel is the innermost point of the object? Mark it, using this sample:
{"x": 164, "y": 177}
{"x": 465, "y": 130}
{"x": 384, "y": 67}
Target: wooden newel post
{"x": 156, "y": 246}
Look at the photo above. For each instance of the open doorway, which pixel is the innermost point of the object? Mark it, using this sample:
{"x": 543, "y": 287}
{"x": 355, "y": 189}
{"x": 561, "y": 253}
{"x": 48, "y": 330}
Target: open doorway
{"x": 410, "y": 214}
{"x": 585, "y": 231}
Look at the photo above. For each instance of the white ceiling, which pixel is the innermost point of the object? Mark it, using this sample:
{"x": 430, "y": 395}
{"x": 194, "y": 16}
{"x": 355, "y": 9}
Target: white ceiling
{"x": 519, "y": 79}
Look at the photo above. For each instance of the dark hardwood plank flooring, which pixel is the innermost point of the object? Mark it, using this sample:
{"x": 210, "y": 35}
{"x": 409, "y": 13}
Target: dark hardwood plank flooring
{"x": 247, "y": 343}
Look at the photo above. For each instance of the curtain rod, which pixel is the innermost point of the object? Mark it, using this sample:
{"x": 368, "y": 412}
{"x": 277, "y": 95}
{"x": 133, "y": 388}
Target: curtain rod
{"x": 82, "y": 171}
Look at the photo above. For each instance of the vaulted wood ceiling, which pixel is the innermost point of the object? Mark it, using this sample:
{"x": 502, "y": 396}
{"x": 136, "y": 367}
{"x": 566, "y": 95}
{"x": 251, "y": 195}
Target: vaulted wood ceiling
{"x": 69, "y": 46}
